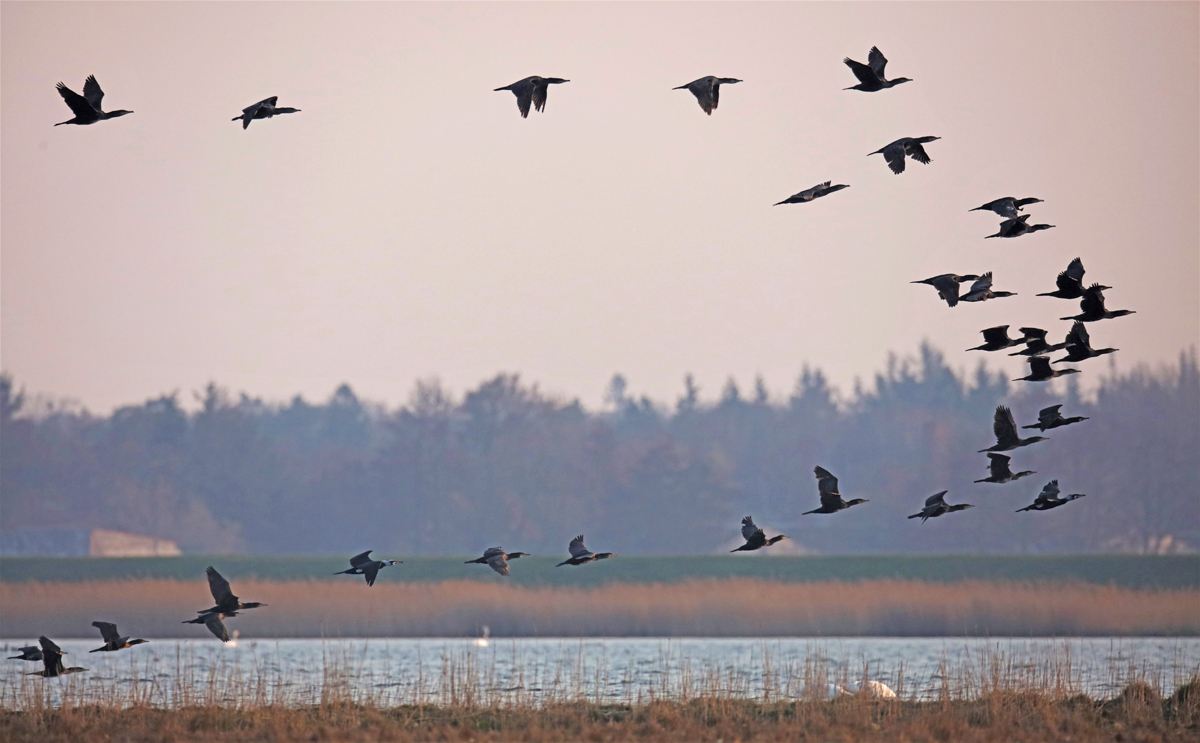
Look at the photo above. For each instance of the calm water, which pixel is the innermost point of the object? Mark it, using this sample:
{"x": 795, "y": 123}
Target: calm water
{"x": 440, "y": 671}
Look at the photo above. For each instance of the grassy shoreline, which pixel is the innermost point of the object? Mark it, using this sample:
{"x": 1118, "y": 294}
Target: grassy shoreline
{"x": 698, "y": 608}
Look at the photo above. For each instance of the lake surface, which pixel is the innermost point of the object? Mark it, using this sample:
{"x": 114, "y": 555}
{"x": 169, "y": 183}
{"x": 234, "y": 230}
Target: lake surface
{"x": 527, "y": 670}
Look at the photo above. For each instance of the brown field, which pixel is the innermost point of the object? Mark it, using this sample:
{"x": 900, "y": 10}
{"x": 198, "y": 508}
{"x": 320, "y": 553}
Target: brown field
{"x": 1138, "y": 714}
{"x": 705, "y": 608}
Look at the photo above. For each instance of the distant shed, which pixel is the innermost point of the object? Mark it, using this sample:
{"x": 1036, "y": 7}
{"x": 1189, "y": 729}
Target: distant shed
{"x": 60, "y": 542}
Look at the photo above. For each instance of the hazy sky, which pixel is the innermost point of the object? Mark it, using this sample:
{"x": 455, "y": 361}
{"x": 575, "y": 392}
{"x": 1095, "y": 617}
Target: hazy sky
{"x": 408, "y": 223}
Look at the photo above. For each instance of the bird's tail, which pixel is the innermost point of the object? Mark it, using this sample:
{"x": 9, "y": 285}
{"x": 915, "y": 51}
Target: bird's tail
{"x": 1033, "y": 426}
{"x": 564, "y": 562}
{"x": 915, "y": 516}
{"x": 1026, "y": 508}
{"x": 808, "y": 512}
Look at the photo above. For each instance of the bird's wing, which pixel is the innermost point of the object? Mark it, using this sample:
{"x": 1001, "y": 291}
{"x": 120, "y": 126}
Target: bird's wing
{"x": 108, "y": 631}
{"x": 1039, "y": 366}
{"x": 998, "y": 334}
{"x": 1092, "y": 302}
{"x": 999, "y": 465}
{"x": 894, "y": 154}
{"x": 576, "y": 547}
{"x": 917, "y": 152}
{"x": 524, "y": 93}
{"x": 1049, "y": 492}
{"x": 538, "y": 94}
{"x": 499, "y": 563}
{"x": 77, "y": 103}
{"x": 706, "y": 94}
{"x": 93, "y": 93}
{"x": 865, "y": 74}
{"x": 826, "y": 482}
{"x": 748, "y": 528}
{"x": 815, "y": 191}
{"x": 361, "y": 558}
{"x": 217, "y": 627}
{"x": 370, "y": 571}
{"x": 1034, "y": 333}
{"x": 250, "y": 111}
{"x": 48, "y": 645}
{"x": 1078, "y": 335}
{"x": 1075, "y": 270}
{"x": 1065, "y": 282}
{"x": 491, "y": 552}
{"x": 877, "y": 61}
{"x": 936, "y": 499}
{"x": 1004, "y": 426}
{"x": 983, "y": 284}
{"x": 1045, "y": 415}
{"x": 949, "y": 292}
{"x": 219, "y": 586}
{"x": 1005, "y": 207}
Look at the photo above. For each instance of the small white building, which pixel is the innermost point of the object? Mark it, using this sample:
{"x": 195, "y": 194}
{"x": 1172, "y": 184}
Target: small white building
{"x": 60, "y": 542}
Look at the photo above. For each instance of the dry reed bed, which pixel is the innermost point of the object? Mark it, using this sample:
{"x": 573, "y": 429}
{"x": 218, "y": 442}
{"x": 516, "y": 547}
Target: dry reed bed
{"x": 1137, "y": 715}
{"x": 702, "y": 608}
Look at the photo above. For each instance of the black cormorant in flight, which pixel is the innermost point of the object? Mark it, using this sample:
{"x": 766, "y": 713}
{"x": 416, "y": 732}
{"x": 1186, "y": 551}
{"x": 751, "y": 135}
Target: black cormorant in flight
{"x": 86, "y": 107}
{"x": 1050, "y": 418}
{"x": 112, "y": 638}
{"x": 1018, "y": 226}
{"x": 532, "y": 90}
{"x": 1000, "y": 473}
{"x": 947, "y": 285}
{"x": 497, "y": 559}
{"x": 1007, "y": 437}
{"x": 894, "y": 153}
{"x": 816, "y": 192}
{"x": 363, "y": 565}
{"x": 1048, "y": 498}
{"x": 935, "y": 505}
{"x": 1092, "y": 309}
{"x": 755, "y": 538}
{"x": 1006, "y": 207}
{"x": 871, "y": 75}
{"x": 1079, "y": 345}
{"x": 264, "y": 109}
{"x": 708, "y": 91}
{"x": 581, "y": 554}
{"x": 831, "y": 499}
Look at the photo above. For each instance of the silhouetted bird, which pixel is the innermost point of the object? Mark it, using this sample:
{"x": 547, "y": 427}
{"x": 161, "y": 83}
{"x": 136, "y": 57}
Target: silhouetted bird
{"x": 871, "y": 75}
{"x": 1048, "y": 498}
{"x": 1035, "y": 343}
{"x": 1018, "y": 226}
{"x": 363, "y": 565}
{"x": 1000, "y": 473}
{"x": 755, "y": 539}
{"x": 1040, "y": 371}
{"x": 1070, "y": 282}
{"x": 815, "y": 192}
{"x": 581, "y": 554}
{"x": 497, "y": 559}
{"x": 894, "y": 153}
{"x": 264, "y": 109}
{"x": 996, "y": 339}
{"x": 831, "y": 499}
{"x": 112, "y": 638}
{"x": 86, "y": 107}
{"x": 935, "y": 505}
{"x": 52, "y": 661}
{"x": 532, "y": 90}
{"x": 981, "y": 290}
{"x": 1050, "y": 418}
{"x": 1079, "y": 345}
{"x": 947, "y": 285}
{"x": 1092, "y": 306}
{"x": 29, "y": 652}
{"x": 227, "y": 603}
{"x": 708, "y": 91}
{"x": 1006, "y": 207}
{"x": 214, "y": 624}
{"x": 1007, "y": 437}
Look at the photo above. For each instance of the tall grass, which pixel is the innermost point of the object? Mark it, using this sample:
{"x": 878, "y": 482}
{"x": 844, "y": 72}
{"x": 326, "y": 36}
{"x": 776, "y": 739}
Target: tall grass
{"x": 703, "y": 608}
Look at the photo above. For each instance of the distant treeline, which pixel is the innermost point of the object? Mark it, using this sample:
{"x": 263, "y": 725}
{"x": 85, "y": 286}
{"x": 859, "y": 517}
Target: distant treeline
{"x": 507, "y": 464}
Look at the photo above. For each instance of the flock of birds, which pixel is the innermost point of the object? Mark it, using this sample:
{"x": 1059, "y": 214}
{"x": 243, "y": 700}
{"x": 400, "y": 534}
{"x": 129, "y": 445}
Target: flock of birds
{"x": 531, "y": 93}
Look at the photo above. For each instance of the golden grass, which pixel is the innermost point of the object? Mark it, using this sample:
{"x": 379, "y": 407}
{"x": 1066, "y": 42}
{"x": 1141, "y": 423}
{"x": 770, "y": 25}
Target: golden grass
{"x": 703, "y": 608}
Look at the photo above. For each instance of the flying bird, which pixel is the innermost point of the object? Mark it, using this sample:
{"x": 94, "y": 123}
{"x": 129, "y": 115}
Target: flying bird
{"x": 213, "y": 621}
{"x": 981, "y": 290}
{"x": 532, "y": 90}
{"x": 1048, "y": 498}
{"x": 935, "y": 505}
{"x": 1040, "y": 371}
{"x": 112, "y": 639}
{"x": 29, "y": 652}
{"x": 816, "y": 192}
{"x": 1050, "y": 418}
{"x": 1000, "y": 473}
{"x": 86, "y": 107}
{"x": 755, "y": 538}
{"x": 1018, "y": 226}
{"x": 497, "y": 559}
{"x": 227, "y": 603}
{"x": 831, "y": 499}
{"x": 1006, "y": 207}
{"x": 363, "y": 565}
{"x": 947, "y": 285}
{"x": 1007, "y": 437}
{"x": 1092, "y": 309}
{"x": 871, "y": 75}
{"x": 264, "y": 109}
{"x": 1079, "y": 345}
{"x": 581, "y": 554}
{"x": 1070, "y": 282}
{"x": 708, "y": 91}
{"x": 1035, "y": 343}
{"x": 52, "y": 660}
{"x": 894, "y": 153}
{"x": 996, "y": 339}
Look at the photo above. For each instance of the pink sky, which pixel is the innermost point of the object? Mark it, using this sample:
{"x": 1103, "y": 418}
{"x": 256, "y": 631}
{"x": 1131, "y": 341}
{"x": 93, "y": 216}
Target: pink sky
{"x": 408, "y": 223}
